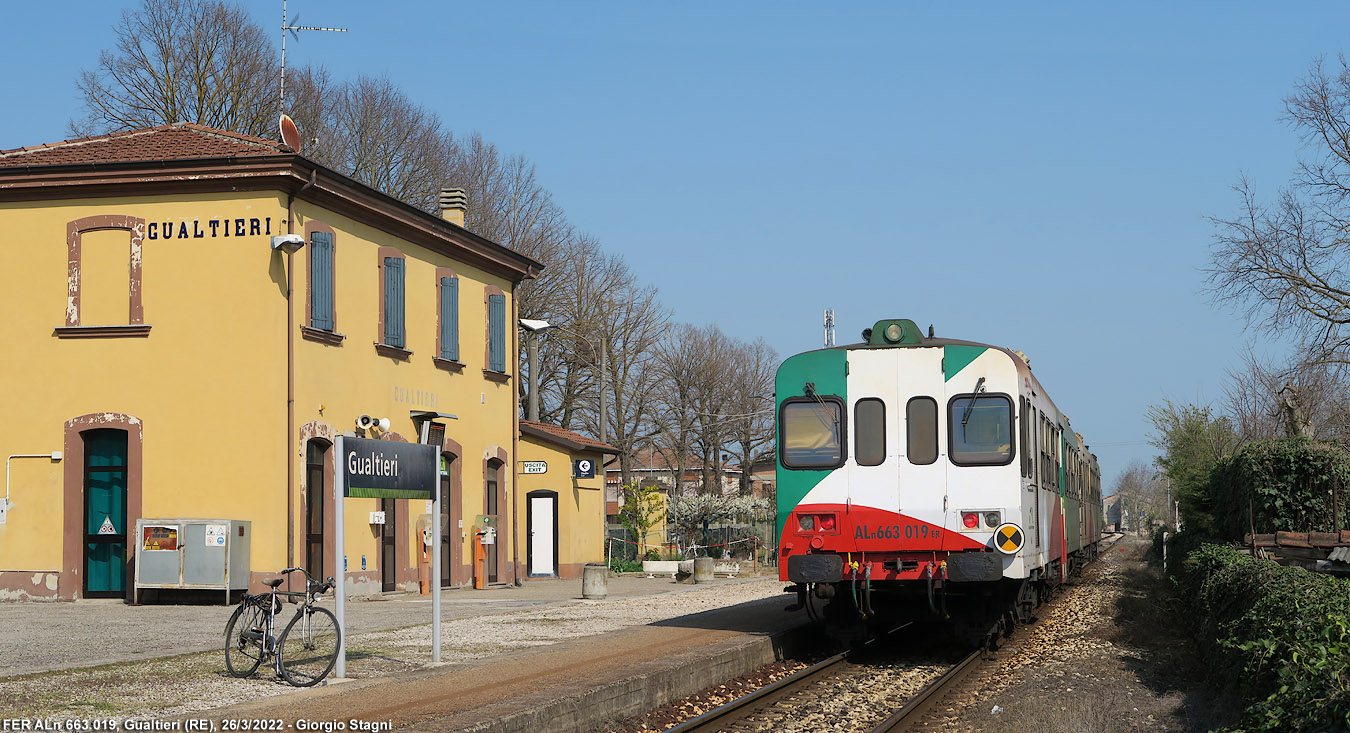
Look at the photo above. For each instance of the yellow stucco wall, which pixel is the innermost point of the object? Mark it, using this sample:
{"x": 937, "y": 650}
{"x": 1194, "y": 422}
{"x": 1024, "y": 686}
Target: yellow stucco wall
{"x": 581, "y": 504}
{"x": 208, "y": 383}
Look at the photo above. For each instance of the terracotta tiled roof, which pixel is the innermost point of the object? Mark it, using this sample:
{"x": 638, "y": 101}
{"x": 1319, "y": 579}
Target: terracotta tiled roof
{"x": 179, "y": 140}
{"x": 564, "y": 437}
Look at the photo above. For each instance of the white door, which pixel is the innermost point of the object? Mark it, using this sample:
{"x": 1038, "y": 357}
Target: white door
{"x": 543, "y": 520}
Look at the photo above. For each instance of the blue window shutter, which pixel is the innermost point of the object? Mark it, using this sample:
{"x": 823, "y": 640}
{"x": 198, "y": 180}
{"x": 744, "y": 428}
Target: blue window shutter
{"x": 321, "y": 280}
{"x": 393, "y": 301}
{"x": 497, "y": 333}
{"x": 450, "y": 318}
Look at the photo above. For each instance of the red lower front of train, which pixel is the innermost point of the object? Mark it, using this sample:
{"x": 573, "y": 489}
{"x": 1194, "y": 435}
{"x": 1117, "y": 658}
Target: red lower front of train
{"x": 872, "y": 544}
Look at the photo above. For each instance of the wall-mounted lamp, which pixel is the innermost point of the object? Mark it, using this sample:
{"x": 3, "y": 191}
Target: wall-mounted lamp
{"x": 288, "y": 243}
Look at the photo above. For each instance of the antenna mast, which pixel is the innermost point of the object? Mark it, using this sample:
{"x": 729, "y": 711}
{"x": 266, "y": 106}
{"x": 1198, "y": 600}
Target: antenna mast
{"x": 829, "y": 327}
{"x": 293, "y": 28}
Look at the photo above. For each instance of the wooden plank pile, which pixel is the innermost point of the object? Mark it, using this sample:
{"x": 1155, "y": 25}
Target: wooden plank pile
{"x": 1323, "y": 552}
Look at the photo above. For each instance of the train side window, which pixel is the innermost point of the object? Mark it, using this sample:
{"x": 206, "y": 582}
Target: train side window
{"x": 921, "y": 438}
{"x": 1033, "y": 455}
{"x": 979, "y": 431}
{"x": 869, "y": 432}
{"x": 1022, "y": 435}
{"x": 811, "y": 432}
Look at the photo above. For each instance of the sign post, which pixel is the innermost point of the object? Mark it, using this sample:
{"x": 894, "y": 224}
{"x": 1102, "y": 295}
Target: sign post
{"x": 382, "y": 469}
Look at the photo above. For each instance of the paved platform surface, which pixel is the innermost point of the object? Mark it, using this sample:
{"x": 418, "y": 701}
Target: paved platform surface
{"x": 54, "y": 636}
{"x": 577, "y": 685}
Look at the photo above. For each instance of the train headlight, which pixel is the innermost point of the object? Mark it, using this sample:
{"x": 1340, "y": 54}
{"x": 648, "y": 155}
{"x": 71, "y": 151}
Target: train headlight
{"x": 992, "y": 519}
{"x": 807, "y": 522}
{"x": 827, "y": 522}
{"x": 970, "y": 519}
{"x": 894, "y": 332}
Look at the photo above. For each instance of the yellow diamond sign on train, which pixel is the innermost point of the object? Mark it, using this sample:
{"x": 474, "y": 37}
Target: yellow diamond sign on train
{"x": 1008, "y": 538}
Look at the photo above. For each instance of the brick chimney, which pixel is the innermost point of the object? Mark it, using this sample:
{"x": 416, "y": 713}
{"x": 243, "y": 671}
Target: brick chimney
{"x": 453, "y": 203}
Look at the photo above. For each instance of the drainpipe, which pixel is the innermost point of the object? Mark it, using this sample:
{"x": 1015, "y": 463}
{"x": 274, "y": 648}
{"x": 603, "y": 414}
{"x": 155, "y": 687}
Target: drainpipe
{"x": 290, "y": 375}
{"x": 515, "y": 433}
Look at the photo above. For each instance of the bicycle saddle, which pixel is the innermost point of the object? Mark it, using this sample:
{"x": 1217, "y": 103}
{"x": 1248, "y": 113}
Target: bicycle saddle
{"x": 273, "y": 582}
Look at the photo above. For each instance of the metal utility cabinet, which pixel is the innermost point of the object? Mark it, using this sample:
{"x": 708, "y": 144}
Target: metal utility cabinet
{"x": 193, "y": 554}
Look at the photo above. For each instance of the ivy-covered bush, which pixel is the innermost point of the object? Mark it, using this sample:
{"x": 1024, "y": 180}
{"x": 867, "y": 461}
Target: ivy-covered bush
{"x": 1282, "y": 635}
{"x": 1290, "y": 484}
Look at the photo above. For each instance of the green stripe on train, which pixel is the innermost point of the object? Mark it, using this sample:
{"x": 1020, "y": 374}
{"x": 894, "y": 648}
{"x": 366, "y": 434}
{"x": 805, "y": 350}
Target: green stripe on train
{"x": 956, "y": 358}
{"x": 827, "y": 369}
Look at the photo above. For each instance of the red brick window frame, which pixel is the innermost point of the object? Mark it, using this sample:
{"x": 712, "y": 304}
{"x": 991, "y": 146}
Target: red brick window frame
{"x": 75, "y": 231}
{"x": 308, "y": 329}
{"x": 401, "y": 353}
{"x": 443, "y": 293}
{"x": 502, "y": 376}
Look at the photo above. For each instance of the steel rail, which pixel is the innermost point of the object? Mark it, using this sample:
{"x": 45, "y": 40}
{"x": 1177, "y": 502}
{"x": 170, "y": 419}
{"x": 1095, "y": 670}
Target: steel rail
{"x": 714, "y": 719}
{"x": 913, "y": 710}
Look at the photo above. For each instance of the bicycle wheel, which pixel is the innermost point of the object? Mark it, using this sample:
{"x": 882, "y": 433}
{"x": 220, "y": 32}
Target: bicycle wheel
{"x": 309, "y": 646}
{"x": 244, "y": 639}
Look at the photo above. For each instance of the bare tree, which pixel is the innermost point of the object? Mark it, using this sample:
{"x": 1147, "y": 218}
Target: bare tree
{"x": 201, "y": 61}
{"x": 750, "y": 406}
{"x": 1143, "y": 497}
{"x": 633, "y": 323}
{"x": 1302, "y": 398}
{"x": 678, "y": 356}
{"x": 1286, "y": 261}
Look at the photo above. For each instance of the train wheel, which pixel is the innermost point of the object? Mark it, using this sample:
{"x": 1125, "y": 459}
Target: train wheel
{"x": 1028, "y": 598}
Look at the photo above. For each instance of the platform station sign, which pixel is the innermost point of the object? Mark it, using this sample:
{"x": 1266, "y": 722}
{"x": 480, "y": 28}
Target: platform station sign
{"x": 383, "y": 469}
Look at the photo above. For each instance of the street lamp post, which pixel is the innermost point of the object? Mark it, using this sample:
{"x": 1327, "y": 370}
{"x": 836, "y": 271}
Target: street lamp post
{"x": 534, "y": 327}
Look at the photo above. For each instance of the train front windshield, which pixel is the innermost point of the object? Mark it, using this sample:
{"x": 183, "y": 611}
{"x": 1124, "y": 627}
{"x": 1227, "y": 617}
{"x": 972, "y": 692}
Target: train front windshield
{"x": 981, "y": 429}
{"x": 810, "y": 433}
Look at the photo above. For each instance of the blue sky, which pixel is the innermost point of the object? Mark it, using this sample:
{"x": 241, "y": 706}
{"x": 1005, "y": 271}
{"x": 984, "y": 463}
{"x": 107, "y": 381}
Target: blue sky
{"x": 1031, "y": 175}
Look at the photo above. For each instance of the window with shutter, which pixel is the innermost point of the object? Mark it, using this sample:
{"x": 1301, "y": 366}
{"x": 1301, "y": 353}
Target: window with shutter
{"x": 393, "y": 301}
{"x": 450, "y": 318}
{"x": 497, "y": 333}
{"x": 321, "y": 281}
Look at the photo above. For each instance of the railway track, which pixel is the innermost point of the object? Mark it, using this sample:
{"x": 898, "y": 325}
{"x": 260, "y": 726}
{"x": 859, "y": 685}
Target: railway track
{"x": 894, "y": 702}
{"x": 788, "y": 703}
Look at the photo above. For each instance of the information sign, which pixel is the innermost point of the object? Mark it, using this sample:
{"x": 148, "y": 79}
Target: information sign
{"x": 216, "y": 534}
{"x": 159, "y": 537}
{"x": 384, "y": 469}
{"x": 533, "y": 467}
{"x": 583, "y": 468}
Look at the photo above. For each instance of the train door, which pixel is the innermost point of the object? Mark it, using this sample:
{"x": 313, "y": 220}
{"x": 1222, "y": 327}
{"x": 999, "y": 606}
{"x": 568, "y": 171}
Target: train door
{"x": 919, "y": 472}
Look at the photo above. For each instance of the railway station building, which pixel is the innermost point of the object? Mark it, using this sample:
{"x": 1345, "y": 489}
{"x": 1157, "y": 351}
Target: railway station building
{"x": 192, "y": 317}
{"x": 561, "y": 498}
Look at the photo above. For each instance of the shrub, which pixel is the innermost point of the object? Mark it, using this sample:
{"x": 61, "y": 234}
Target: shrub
{"x": 618, "y": 565}
{"x": 1289, "y": 484}
{"x": 1282, "y": 633}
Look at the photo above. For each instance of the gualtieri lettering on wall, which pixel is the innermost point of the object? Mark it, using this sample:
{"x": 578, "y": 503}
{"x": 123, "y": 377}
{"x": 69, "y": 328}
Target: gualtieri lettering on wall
{"x": 209, "y": 228}
{"x": 388, "y": 470}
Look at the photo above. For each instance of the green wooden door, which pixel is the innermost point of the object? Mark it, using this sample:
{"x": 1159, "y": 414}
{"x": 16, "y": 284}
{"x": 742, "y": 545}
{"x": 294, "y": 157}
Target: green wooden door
{"x": 105, "y": 513}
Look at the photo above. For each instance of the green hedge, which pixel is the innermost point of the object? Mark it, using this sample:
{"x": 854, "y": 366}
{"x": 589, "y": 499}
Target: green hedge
{"x": 1276, "y": 485}
{"x": 1281, "y": 634}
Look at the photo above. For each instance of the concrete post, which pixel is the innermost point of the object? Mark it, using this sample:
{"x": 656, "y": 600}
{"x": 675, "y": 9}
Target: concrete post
{"x": 594, "y": 581}
{"x": 703, "y": 570}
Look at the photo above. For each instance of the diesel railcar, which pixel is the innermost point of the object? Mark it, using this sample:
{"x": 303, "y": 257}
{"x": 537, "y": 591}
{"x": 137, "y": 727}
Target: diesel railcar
{"x": 921, "y": 476}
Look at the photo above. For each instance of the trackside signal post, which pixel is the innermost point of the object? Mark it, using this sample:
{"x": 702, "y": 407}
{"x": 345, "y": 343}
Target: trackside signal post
{"x": 386, "y": 470}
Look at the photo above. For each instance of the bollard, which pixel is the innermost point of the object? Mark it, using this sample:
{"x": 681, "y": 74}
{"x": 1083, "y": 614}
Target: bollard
{"x": 594, "y": 581}
{"x": 703, "y": 570}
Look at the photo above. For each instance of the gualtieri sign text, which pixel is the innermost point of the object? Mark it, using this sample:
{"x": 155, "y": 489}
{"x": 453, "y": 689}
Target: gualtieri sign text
{"x": 388, "y": 470}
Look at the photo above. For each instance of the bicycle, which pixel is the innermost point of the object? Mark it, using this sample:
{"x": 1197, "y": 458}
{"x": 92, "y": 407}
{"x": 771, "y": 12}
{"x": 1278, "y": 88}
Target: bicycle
{"x": 306, "y": 650}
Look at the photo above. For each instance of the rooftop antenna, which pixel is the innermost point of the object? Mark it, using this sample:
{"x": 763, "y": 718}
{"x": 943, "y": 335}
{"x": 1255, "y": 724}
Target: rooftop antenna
{"x": 285, "y": 26}
{"x": 829, "y": 327}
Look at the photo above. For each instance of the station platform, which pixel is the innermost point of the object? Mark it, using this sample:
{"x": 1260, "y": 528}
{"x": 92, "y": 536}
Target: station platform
{"x": 577, "y": 685}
